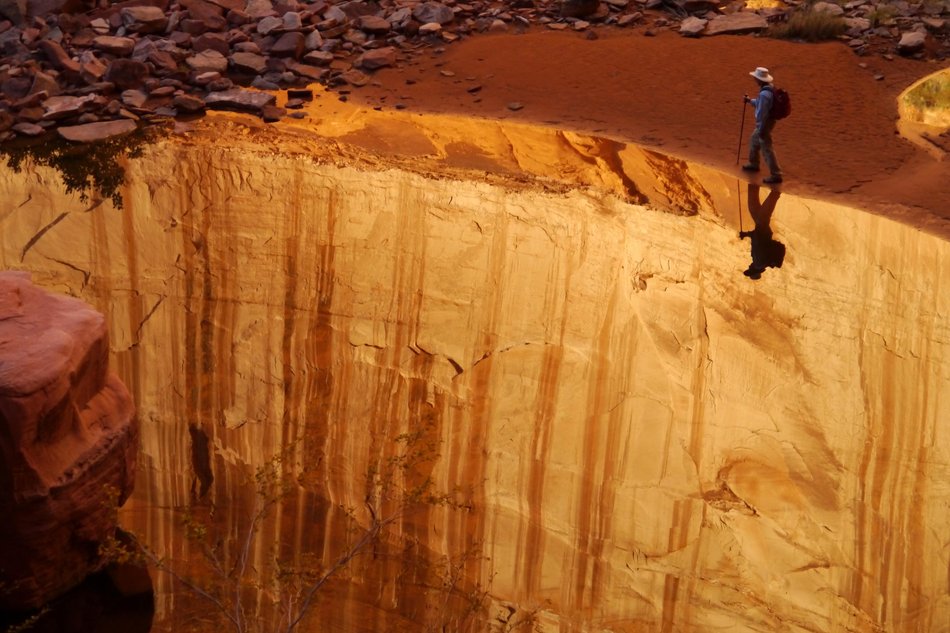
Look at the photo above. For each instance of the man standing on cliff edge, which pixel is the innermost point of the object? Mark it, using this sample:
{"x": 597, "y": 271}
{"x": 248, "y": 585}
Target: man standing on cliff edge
{"x": 761, "y": 139}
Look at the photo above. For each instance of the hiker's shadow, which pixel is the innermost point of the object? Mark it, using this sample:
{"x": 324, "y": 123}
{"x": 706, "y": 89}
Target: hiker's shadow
{"x": 766, "y": 252}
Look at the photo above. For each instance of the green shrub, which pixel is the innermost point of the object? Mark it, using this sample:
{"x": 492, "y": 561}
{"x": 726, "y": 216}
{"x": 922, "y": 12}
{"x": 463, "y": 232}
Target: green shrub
{"x": 881, "y": 14}
{"x": 933, "y": 94}
{"x": 811, "y": 26}
{"x": 94, "y": 169}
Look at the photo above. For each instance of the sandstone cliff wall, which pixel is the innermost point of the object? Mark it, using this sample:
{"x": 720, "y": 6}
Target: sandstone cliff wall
{"x": 656, "y": 442}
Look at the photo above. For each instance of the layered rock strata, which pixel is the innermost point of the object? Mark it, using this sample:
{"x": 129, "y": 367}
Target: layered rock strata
{"x": 68, "y": 438}
{"x": 653, "y": 440}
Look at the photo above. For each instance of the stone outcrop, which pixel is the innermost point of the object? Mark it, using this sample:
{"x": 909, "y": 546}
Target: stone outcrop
{"x": 162, "y": 45}
{"x": 68, "y": 439}
{"x": 653, "y": 441}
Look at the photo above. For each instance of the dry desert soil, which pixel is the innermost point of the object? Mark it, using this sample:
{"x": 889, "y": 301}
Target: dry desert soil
{"x": 684, "y": 96}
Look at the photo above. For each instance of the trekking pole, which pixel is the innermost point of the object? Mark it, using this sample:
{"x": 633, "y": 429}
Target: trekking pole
{"x": 741, "y": 129}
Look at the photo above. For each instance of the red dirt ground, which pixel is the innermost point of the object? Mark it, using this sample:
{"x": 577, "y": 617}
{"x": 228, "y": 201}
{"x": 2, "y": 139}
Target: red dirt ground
{"x": 684, "y": 96}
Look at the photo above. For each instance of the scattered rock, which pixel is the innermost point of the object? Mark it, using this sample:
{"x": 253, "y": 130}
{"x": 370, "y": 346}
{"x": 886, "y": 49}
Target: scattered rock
{"x": 126, "y": 73}
{"x": 121, "y": 46}
{"x": 134, "y": 98}
{"x": 736, "y": 24}
{"x": 248, "y": 63}
{"x": 828, "y": 7}
{"x": 63, "y": 107}
{"x": 289, "y": 45}
{"x": 374, "y": 24}
{"x": 263, "y": 40}
{"x": 318, "y": 58}
{"x": 269, "y": 24}
{"x": 188, "y": 103}
{"x": 58, "y": 57}
{"x": 28, "y": 129}
{"x": 433, "y": 12}
{"x": 208, "y": 60}
{"x": 377, "y": 58}
{"x": 144, "y": 19}
{"x": 911, "y": 42}
{"x": 272, "y": 114}
{"x": 515, "y": 106}
{"x": 355, "y": 78}
{"x": 578, "y": 8}
{"x": 96, "y": 131}
{"x": 239, "y": 100}
{"x": 692, "y": 27}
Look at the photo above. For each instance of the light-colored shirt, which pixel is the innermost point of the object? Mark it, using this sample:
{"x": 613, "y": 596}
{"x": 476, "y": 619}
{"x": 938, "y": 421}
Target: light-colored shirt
{"x": 763, "y": 106}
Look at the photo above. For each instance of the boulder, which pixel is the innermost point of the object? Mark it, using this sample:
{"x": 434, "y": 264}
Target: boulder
{"x": 58, "y": 57}
{"x": 292, "y": 21}
{"x": 269, "y": 24}
{"x": 828, "y": 7}
{"x": 579, "y": 8}
{"x": 249, "y": 63}
{"x": 211, "y": 41}
{"x": 911, "y": 42}
{"x": 120, "y": 46}
{"x": 692, "y": 26}
{"x": 736, "y": 23}
{"x": 42, "y": 8}
{"x": 90, "y": 68}
{"x": 126, "y": 73}
{"x": 433, "y": 12}
{"x": 62, "y": 107}
{"x": 13, "y": 10}
{"x": 319, "y": 58}
{"x": 68, "y": 436}
{"x": 25, "y": 128}
{"x": 239, "y": 100}
{"x": 188, "y": 103}
{"x": 305, "y": 71}
{"x": 355, "y": 77}
{"x": 289, "y": 45}
{"x": 134, "y": 98}
{"x": 144, "y": 19}
{"x": 202, "y": 10}
{"x": 259, "y": 9}
{"x": 374, "y": 24}
{"x": 208, "y": 60}
{"x": 377, "y": 58}
{"x": 43, "y": 82}
{"x": 100, "y": 131}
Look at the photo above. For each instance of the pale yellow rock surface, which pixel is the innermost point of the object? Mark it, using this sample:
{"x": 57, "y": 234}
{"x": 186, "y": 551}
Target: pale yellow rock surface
{"x": 655, "y": 442}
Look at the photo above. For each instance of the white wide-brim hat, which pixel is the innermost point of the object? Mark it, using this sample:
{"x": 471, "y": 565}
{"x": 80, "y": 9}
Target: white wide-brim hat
{"x": 762, "y": 74}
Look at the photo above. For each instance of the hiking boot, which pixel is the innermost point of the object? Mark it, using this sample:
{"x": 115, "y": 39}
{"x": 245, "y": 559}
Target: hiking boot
{"x": 752, "y": 273}
{"x": 750, "y": 167}
{"x": 772, "y": 180}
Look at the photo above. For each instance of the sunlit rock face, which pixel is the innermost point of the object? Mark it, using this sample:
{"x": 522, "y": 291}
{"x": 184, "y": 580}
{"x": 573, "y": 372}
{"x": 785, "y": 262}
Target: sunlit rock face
{"x": 653, "y": 441}
{"x": 67, "y": 437}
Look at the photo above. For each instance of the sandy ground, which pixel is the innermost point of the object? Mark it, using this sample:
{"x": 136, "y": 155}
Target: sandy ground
{"x": 684, "y": 96}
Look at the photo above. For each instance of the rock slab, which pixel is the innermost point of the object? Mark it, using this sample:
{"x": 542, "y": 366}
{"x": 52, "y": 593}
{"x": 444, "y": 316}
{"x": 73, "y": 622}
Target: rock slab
{"x": 68, "y": 436}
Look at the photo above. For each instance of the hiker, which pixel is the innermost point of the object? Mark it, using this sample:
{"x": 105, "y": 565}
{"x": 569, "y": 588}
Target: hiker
{"x": 761, "y": 139}
{"x": 766, "y": 252}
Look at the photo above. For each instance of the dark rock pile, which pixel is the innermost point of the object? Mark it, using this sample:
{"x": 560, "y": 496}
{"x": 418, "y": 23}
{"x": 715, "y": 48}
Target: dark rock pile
{"x": 89, "y": 70}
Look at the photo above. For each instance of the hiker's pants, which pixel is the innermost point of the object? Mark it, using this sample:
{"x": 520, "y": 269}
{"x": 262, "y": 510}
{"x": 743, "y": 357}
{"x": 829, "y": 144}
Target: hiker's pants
{"x": 762, "y": 141}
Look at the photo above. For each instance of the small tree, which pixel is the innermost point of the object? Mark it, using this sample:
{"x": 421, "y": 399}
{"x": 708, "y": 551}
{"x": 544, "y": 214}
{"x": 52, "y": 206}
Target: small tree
{"x": 394, "y": 488}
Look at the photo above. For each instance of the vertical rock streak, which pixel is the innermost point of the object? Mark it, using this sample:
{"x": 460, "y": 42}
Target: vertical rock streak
{"x": 648, "y": 439}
